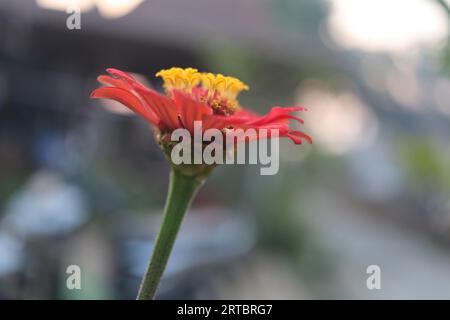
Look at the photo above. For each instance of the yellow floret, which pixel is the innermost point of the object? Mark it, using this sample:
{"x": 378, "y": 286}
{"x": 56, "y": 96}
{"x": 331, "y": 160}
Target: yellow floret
{"x": 181, "y": 79}
{"x": 227, "y": 87}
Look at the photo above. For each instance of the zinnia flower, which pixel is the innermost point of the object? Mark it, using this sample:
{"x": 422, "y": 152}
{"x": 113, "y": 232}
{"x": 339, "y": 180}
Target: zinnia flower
{"x": 189, "y": 96}
{"x": 193, "y": 96}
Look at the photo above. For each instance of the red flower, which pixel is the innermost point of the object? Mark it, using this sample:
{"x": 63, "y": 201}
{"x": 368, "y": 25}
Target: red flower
{"x": 213, "y": 103}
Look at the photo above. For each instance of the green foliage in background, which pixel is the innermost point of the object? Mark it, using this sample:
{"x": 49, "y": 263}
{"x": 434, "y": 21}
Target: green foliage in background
{"x": 427, "y": 164}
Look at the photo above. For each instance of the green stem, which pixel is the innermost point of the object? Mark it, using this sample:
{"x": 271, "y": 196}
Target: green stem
{"x": 182, "y": 189}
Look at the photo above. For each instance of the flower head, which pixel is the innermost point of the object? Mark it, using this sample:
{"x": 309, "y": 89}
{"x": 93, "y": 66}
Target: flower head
{"x": 194, "y": 96}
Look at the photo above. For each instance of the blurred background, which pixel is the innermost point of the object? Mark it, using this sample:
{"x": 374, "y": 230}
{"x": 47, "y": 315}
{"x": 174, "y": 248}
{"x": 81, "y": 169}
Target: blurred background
{"x": 83, "y": 183}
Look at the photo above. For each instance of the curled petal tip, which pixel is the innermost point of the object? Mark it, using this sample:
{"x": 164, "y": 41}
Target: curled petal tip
{"x": 298, "y": 137}
{"x": 93, "y": 95}
{"x": 120, "y": 74}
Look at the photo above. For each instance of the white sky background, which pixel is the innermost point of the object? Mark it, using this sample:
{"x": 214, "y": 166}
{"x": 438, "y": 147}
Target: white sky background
{"x": 386, "y": 25}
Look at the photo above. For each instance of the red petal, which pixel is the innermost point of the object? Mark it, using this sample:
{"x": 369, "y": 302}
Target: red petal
{"x": 120, "y": 74}
{"x": 297, "y": 137}
{"x": 127, "y": 99}
{"x": 190, "y": 110}
{"x": 165, "y": 108}
{"x": 278, "y": 114}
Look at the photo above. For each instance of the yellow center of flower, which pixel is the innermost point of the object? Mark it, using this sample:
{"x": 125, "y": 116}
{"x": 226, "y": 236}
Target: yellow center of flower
{"x": 222, "y": 91}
